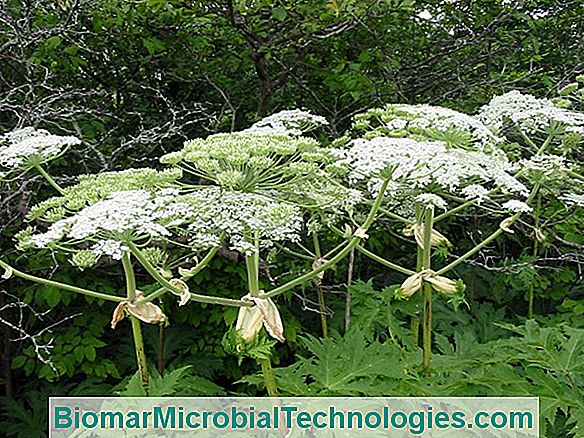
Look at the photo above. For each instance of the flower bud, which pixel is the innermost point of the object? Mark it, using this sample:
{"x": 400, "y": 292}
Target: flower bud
{"x": 539, "y": 236}
{"x": 7, "y": 273}
{"x": 185, "y": 296}
{"x": 443, "y": 285}
{"x": 568, "y": 89}
{"x": 411, "y": 285}
{"x": 84, "y": 259}
{"x": 505, "y": 224}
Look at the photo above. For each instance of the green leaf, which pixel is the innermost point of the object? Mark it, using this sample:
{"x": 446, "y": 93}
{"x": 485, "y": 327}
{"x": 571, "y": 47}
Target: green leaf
{"x": 279, "y": 14}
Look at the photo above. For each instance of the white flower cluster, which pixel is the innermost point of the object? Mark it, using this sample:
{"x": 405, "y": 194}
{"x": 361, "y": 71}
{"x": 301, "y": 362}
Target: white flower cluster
{"x": 573, "y": 199}
{"x": 475, "y": 192}
{"x": 288, "y": 122}
{"x": 528, "y": 112}
{"x": 516, "y": 206}
{"x": 204, "y": 217}
{"x": 20, "y": 146}
{"x": 94, "y": 188}
{"x": 539, "y": 166}
{"x": 113, "y": 248}
{"x": 429, "y": 122}
{"x": 240, "y": 217}
{"x": 121, "y": 216}
{"x": 419, "y": 164}
{"x": 431, "y": 200}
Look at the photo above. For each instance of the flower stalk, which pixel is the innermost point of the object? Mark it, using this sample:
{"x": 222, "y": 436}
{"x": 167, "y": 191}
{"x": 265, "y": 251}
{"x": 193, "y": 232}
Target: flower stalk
{"x": 318, "y": 284}
{"x": 357, "y": 237}
{"x": 427, "y": 288}
{"x": 167, "y": 285}
{"x": 49, "y": 179}
{"x": 60, "y": 285}
{"x": 136, "y": 328}
{"x": 253, "y": 271}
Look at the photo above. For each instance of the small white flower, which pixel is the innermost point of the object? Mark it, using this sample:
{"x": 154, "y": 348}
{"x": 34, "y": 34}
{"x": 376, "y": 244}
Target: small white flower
{"x": 475, "y": 192}
{"x": 415, "y": 165}
{"x": 112, "y": 248}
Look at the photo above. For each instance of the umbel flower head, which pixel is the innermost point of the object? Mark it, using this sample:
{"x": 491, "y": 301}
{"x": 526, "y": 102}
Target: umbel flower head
{"x": 201, "y": 219}
{"x": 529, "y": 113}
{"x": 421, "y": 166}
{"x": 121, "y": 217}
{"x": 241, "y": 218}
{"x": 250, "y": 162}
{"x": 94, "y": 188}
{"x": 26, "y": 147}
{"x": 288, "y": 122}
{"x": 425, "y": 122}
{"x": 573, "y": 199}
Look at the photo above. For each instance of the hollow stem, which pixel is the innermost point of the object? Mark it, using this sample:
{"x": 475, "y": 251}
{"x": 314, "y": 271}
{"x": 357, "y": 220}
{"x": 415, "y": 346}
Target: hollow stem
{"x": 383, "y": 261}
{"x": 415, "y": 319}
{"x": 531, "y": 297}
{"x": 319, "y": 291}
{"x": 253, "y": 273}
{"x": 453, "y": 211}
{"x": 49, "y": 179}
{"x": 427, "y": 288}
{"x": 136, "y": 328}
{"x": 489, "y": 239}
{"x": 269, "y": 377}
{"x": 252, "y": 264}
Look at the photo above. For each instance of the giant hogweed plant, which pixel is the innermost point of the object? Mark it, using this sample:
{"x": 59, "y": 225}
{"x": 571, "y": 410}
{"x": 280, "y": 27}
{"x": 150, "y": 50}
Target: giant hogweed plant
{"x": 270, "y": 185}
{"x": 248, "y": 190}
{"x": 444, "y": 163}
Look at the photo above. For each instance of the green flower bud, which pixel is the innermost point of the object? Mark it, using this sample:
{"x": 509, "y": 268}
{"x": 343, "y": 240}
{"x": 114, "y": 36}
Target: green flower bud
{"x": 84, "y": 259}
{"x": 155, "y": 256}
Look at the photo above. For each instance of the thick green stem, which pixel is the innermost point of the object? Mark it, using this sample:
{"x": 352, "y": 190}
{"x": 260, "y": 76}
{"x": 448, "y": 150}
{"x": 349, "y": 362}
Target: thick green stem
{"x": 269, "y": 377}
{"x": 136, "y": 328}
{"x": 453, "y": 211}
{"x": 353, "y": 242}
{"x": 576, "y": 175}
{"x": 49, "y": 179}
{"x": 474, "y": 250}
{"x": 252, "y": 264}
{"x": 426, "y": 264}
{"x": 140, "y": 353}
{"x": 319, "y": 291}
{"x": 168, "y": 286}
{"x": 415, "y": 319}
{"x": 59, "y": 285}
{"x": 253, "y": 273}
{"x": 397, "y": 217}
{"x": 191, "y": 273}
